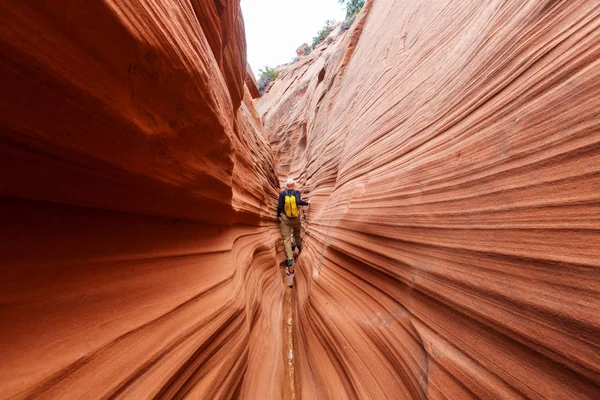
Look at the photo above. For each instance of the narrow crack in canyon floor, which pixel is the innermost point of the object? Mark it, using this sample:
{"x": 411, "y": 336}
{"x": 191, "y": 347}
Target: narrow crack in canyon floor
{"x": 290, "y": 341}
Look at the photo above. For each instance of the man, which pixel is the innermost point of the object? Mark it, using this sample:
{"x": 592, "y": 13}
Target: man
{"x": 289, "y": 217}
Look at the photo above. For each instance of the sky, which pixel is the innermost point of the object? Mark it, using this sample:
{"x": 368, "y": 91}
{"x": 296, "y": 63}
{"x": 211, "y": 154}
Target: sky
{"x": 276, "y": 28}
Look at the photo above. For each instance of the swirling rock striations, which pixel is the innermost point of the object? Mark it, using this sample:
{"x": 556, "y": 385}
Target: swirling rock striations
{"x": 452, "y": 150}
{"x": 138, "y": 260}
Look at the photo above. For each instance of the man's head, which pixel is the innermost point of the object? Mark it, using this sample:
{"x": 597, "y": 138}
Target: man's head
{"x": 290, "y": 184}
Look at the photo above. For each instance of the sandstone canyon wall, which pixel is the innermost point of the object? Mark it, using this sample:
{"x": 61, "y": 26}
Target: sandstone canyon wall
{"x": 452, "y": 150}
{"x": 452, "y": 153}
{"x": 136, "y": 177}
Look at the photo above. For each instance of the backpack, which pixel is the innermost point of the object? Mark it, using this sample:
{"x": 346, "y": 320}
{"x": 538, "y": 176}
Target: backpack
{"x": 290, "y": 206}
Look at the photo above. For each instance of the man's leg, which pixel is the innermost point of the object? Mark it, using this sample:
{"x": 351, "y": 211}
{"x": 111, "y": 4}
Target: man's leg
{"x": 286, "y": 232}
{"x": 297, "y": 232}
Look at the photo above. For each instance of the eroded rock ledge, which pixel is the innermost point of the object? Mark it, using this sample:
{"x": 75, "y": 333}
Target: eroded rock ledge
{"x": 452, "y": 152}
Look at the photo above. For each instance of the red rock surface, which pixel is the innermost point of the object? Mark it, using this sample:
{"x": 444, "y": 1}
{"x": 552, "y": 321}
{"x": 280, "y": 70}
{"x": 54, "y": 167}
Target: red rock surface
{"x": 136, "y": 198}
{"x": 452, "y": 152}
{"x": 251, "y": 82}
{"x": 301, "y": 50}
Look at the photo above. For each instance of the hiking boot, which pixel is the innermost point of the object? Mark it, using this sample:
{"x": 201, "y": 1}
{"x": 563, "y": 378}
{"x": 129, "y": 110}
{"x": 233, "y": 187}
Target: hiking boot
{"x": 289, "y": 263}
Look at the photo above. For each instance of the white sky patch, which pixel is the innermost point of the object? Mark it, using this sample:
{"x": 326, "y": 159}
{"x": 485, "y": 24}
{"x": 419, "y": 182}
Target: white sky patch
{"x": 276, "y": 28}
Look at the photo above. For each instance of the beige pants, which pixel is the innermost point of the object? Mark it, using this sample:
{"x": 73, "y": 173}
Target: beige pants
{"x": 287, "y": 224}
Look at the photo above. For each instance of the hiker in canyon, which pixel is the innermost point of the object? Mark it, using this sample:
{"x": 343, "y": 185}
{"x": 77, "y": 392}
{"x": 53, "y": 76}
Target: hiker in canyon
{"x": 289, "y": 218}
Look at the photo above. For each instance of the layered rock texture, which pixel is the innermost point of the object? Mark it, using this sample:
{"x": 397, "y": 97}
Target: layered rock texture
{"x": 452, "y": 153}
{"x": 137, "y": 259}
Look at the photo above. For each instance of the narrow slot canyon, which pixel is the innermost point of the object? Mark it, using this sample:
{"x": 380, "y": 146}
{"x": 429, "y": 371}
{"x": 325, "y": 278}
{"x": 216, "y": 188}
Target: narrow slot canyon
{"x": 451, "y": 250}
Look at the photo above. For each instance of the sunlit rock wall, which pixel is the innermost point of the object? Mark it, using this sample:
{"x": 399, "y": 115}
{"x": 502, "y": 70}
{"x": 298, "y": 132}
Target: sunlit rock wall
{"x": 452, "y": 152}
{"x": 135, "y": 181}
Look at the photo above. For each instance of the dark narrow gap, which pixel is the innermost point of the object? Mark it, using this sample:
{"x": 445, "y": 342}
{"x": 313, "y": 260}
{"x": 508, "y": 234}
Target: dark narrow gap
{"x": 321, "y": 75}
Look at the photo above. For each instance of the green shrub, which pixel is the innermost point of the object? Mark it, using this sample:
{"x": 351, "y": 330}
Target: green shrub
{"x": 323, "y": 33}
{"x": 352, "y": 7}
{"x": 267, "y": 75}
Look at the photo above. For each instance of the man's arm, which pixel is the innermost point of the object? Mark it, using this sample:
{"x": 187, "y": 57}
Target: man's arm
{"x": 300, "y": 201}
{"x": 280, "y": 205}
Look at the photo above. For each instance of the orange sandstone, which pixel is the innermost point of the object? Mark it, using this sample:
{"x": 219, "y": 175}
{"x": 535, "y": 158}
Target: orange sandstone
{"x": 452, "y": 152}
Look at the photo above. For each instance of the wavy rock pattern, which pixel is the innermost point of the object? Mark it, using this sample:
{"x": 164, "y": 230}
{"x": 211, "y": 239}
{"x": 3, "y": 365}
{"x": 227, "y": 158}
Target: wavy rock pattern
{"x": 137, "y": 260}
{"x": 452, "y": 150}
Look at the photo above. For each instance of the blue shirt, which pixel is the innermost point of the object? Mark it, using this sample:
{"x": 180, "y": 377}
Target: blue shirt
{"x": 286, "y": 192}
